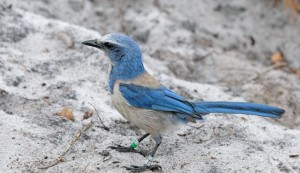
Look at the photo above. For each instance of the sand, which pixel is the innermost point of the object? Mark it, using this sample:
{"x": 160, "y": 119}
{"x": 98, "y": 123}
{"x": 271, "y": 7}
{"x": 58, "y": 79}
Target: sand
{"x": 200, "y": 50}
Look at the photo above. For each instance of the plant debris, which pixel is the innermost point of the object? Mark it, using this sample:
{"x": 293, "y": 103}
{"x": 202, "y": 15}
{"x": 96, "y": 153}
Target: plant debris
{"x": 294, "y": 155}
{"x": 66, "y": 113}
{"x": 75, "y": 138}
{"x": 100, "y": 120}
{"x": 278, "y": 59}
{"x": 88, "y": 114}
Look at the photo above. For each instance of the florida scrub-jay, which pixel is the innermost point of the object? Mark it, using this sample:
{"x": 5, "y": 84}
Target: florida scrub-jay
{"x": 143, "y": 101}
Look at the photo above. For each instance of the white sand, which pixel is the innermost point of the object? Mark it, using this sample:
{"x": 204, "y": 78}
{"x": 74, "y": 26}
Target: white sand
{"x": 41, "y": 72}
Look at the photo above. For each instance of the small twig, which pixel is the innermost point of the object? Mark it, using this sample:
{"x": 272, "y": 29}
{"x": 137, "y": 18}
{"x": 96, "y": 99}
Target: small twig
{"x": 75, "y": 138}
{"x": 104, "y": 126}
{"x": 86, "y": 167}
{"x": 185, "y": 163}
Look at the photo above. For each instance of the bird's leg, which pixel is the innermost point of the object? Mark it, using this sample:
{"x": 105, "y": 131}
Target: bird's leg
{"x": 132, "y": 147}
{"x": 147, "y": 165}
{"x": 143, "y": 137}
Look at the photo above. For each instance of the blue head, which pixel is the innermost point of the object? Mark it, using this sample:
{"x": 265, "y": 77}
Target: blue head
{"x": 124, "y": 54}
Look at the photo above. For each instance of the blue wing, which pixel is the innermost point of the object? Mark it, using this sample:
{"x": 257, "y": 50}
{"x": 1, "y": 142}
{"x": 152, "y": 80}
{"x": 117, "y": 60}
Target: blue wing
{"x": 161, "y": 99}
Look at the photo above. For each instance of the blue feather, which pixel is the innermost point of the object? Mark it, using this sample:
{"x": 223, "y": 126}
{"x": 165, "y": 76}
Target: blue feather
{"x": 239, "y": 108}
{"x": 160, "y": 99}
{"x": 163, "y": 99}
{"x": 124, "y": 72}
{"x": 126, "y": 59}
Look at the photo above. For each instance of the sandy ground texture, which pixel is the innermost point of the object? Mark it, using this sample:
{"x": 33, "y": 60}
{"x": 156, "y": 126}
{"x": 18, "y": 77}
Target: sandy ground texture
{"x": 203, "y": 50}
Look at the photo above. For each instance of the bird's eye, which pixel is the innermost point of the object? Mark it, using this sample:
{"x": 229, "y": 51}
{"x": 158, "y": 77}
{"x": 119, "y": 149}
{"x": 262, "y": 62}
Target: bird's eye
{"x": 108, "y": 45}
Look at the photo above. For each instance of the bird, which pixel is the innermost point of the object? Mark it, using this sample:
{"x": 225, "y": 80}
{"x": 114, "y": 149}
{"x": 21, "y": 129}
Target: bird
{"x": 145, "y": 102}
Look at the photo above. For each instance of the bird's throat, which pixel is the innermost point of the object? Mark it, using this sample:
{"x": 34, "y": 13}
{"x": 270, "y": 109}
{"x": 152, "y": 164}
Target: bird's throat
{"x": 124, "y": 72}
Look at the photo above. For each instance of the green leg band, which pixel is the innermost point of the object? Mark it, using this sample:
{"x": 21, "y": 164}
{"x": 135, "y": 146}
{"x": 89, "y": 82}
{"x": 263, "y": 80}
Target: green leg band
{"x": 134, "y": 144}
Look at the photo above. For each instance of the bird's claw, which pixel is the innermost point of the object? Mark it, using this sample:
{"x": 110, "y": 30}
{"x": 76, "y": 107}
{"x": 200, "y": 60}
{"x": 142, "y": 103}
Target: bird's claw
{"x": 121, "y": 148}
{"x": 126, "y": 149}
{"x": 134, "y": 168}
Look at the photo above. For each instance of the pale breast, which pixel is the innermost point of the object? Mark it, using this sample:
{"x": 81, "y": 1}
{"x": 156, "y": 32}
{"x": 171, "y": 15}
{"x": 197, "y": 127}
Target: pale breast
{"x": 154, "y": 122}
{"x": 146, "y": 80}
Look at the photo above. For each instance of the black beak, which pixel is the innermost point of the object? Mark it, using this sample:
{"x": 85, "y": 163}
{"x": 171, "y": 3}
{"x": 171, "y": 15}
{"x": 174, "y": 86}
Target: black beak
{"x": 93, "y": 43}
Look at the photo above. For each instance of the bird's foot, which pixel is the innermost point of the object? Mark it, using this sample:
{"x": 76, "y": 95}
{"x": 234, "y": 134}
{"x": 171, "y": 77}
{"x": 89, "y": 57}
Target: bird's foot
{"x": 126, "y": 149}
{"x": 143, "y": 168}
{"x": 121, "y": 148}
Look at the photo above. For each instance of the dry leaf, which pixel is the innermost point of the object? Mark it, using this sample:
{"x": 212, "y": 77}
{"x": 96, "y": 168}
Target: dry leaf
{"x": 293, "y": 5}
{"x": 278, "y": 59}
{"x": 87, "y": 114}
{"x": 295, "y": 71}
{"x": 66, "y": 113}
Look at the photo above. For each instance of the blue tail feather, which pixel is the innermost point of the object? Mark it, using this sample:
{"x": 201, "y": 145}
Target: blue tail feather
{"x": 238, "y": 108}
